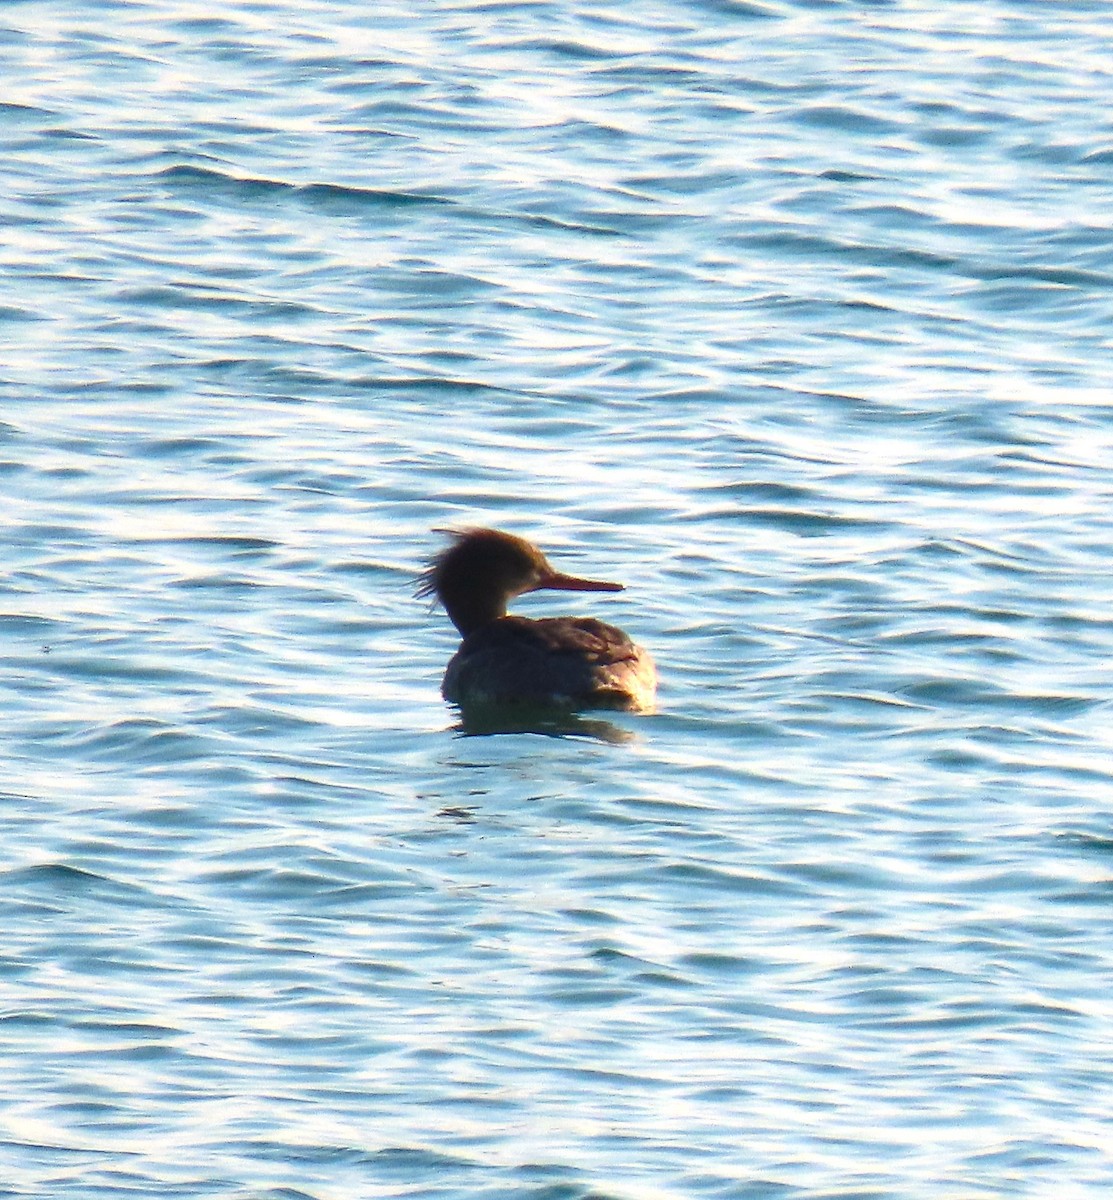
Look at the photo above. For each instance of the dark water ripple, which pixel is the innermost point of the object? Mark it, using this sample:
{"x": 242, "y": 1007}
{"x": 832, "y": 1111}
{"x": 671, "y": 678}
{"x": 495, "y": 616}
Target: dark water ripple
{"x": 792, "y": 316}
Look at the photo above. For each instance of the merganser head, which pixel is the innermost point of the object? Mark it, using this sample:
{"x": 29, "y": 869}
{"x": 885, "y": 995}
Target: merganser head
{"x": 484, "y": 569}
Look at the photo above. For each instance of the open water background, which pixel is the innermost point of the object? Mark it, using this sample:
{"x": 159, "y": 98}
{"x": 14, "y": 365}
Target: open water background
{"x": 795, "y": 317}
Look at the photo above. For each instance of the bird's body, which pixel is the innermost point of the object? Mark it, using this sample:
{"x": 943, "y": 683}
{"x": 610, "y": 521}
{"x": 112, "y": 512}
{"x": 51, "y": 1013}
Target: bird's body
{"x": 575, "y": 662}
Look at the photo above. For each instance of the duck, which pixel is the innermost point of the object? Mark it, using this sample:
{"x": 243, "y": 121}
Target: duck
{"x": 504, "y": 659}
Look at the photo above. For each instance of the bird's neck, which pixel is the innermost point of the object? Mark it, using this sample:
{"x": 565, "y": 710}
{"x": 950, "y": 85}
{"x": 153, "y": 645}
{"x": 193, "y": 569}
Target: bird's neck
{"x": 469, "y": 610}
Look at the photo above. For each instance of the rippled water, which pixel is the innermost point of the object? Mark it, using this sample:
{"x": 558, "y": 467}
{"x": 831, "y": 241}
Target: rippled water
{"x": 793, "y": 316}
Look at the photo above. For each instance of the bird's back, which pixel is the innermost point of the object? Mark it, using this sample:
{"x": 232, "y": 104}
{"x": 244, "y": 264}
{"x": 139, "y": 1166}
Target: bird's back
{"x": 577, "y": 661}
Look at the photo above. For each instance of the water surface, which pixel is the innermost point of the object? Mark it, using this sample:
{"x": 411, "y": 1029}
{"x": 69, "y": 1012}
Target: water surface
{"x": 792, "y": 316}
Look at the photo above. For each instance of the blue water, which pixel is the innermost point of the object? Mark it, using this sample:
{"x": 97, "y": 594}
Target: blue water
{"x": 794, "y": 317}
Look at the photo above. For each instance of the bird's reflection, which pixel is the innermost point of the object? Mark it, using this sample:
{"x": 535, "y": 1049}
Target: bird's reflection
{"x": 486, "y": 720}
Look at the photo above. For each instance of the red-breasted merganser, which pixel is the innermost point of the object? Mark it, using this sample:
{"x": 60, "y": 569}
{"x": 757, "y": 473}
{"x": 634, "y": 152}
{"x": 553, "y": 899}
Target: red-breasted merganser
{"x": 569, "y": 661}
